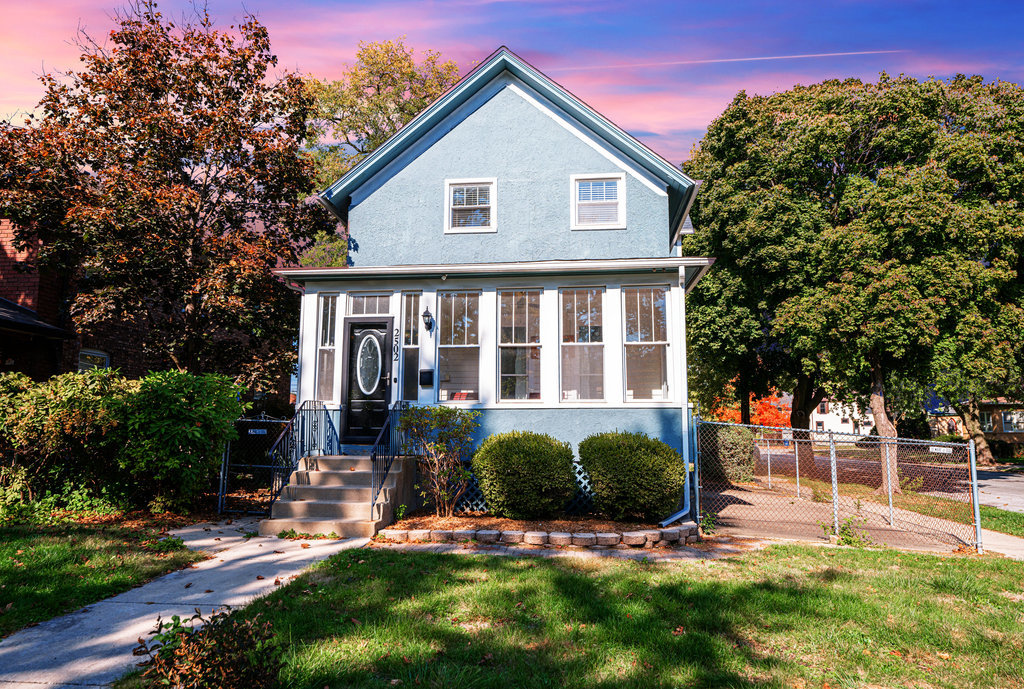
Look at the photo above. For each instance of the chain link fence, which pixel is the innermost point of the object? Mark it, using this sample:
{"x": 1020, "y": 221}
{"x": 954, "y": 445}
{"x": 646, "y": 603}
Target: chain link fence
{"x": 784, "y": 482}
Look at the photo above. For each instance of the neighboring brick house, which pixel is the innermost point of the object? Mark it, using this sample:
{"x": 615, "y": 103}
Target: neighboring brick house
{"x": 36, "y": 334}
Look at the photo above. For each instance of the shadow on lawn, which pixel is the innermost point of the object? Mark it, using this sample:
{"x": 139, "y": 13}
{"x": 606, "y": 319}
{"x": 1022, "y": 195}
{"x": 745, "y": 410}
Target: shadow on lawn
{"x": 454, "y": 621}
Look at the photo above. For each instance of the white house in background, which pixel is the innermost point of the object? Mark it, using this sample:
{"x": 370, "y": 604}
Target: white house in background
{"x": 841, "y": 418}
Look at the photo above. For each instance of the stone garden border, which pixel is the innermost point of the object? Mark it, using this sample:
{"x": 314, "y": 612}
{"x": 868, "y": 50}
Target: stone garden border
{"x": 647, "y": 538}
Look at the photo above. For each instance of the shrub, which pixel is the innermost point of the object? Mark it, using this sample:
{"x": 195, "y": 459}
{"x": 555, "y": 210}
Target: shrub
{"x": 63, "y": 430}
{"x": 176, "y": 425}
{"x": 524, "y": 475}
{"x": 223, "y": 651}
{"x": 949, "y": 438}
{"x": 728, "y": 454}
{"x": 633, "y": 475}
{"x": 442, "y": 436}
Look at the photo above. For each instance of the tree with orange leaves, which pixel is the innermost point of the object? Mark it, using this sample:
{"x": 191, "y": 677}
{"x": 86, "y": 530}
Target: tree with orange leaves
{"x": 167, "y": 179}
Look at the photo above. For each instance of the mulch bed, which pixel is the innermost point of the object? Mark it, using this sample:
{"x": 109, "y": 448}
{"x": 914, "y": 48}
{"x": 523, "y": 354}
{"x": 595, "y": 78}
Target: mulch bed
{"x": 567, "y": 523}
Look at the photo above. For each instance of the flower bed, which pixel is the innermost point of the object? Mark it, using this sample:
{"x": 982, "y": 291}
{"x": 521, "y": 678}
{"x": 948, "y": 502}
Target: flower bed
{"x": 682, "y": 534}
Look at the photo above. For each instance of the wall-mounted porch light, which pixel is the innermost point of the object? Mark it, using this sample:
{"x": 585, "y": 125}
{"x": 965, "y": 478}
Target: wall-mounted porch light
{"x": 428, "y": 319}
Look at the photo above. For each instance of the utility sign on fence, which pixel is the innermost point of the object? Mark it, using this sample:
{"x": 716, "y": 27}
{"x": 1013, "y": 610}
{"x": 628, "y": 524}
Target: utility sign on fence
{"x": 941, "y": 450}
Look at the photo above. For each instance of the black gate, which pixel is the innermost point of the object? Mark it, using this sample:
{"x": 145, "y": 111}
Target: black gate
{"x": 247, "y": 472}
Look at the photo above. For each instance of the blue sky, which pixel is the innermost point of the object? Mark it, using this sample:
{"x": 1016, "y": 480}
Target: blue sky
{"x": 661, "y": 70}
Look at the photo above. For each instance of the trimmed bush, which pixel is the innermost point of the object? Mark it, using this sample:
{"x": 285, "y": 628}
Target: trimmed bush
{"x": 728, "y": 454}
{"x": 524, "y": 475}
{"x": 633, "y": 475}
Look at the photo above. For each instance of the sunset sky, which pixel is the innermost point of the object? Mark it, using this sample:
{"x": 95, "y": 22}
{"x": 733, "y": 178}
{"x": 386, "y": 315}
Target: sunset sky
{"x": 661, "y": 70}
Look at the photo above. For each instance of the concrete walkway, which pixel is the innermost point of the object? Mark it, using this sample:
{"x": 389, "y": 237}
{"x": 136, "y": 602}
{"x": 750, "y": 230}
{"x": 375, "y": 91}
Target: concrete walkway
{"x": 1002, "y": 489}
{"x": 1003, "y": 544}
{"x": 93, "y": 646}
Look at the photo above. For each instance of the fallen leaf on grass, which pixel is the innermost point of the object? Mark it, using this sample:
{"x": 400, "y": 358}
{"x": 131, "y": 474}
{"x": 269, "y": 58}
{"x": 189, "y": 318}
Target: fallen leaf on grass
{"x": 356, "y": 622}
{"x": 678, "y": 631}
{"x": 944, "y": 656}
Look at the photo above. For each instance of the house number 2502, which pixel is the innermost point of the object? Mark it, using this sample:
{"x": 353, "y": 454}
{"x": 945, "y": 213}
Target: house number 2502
{"x": 397, "y": 346}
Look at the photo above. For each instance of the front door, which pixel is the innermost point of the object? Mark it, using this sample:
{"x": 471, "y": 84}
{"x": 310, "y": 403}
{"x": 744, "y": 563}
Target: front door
{"x": 367, "y": 379}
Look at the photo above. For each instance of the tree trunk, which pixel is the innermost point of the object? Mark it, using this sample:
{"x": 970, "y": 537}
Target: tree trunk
{"x": 970, "y": 413}
{"x": 886, "y": 429}
{"x": 805, "y": 398}
{"x": 745, "y": 407}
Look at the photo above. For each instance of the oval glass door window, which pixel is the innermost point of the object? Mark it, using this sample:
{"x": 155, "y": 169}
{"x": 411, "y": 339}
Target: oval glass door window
{"x": 368, "y": 364}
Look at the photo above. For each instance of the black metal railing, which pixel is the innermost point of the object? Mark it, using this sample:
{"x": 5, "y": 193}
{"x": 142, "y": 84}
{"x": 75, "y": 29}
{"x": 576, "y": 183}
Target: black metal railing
{"x": 311, "y": 432}
{"x": 390, "y": 444}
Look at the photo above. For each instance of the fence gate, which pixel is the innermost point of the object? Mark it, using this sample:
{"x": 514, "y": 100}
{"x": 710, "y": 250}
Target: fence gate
{"x": 248, "y": 473}
{"x": 784, "y": 482}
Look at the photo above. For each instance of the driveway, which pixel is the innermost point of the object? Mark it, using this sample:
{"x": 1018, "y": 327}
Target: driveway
{"x": 93, "y": 646}
{"x": 1002, "y": 489}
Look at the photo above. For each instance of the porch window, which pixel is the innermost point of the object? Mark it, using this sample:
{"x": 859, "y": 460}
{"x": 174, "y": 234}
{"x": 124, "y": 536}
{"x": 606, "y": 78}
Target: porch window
{"x": 470, "y": 206}
{"x": 582, "y": 345}
{"x": 646, "y": 343}
{"x": 519, "y": 345}
{"x": 369, "y": 304}
{"x": 328, "y": 316}
{"x": 1013, "y": 421}
{"x": 458, "y": 356}
{"x": 597, "y": 202}
{"x": 410, "y": 346}
{"x": 986, "y": 421}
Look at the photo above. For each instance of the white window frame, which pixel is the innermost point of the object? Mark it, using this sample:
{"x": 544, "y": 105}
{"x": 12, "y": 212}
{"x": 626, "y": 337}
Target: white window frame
{"x": 603, "y": 292}
{"x": 448, "y": 184}
{"x": 1009, "y": 413}
{"x": 96, "y": 353}
{"x": 499, "y": 345}
{"x": 669, "y": 364}
{"x": 987, "y": 421}
{"x": 574, "y": 180}
{"x": 352, "y": 296}
{"x": 479, "y": 346}
{"x": 414, "y": 323}
{"x": 321, "y": 301}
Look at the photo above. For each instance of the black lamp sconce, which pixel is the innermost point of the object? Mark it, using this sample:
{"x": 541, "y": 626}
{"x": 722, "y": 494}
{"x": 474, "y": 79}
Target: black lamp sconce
{"x": 428, "y": 319}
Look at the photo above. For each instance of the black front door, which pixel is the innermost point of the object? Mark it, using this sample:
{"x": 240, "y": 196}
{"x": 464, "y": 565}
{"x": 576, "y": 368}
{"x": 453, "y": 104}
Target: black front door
{"x": 367, "y": 379}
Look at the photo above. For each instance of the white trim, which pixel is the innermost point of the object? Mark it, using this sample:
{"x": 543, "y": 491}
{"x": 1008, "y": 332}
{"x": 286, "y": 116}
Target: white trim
{"x": 602, "y": 401}
{"x": 579, "y": 134}
{"x": 620, "y": 180}
{"x": 498, "y": 344}
{"x": 670, "y": 393}
{"x": 443, "y": 270}
{"x": 448, "y": 184}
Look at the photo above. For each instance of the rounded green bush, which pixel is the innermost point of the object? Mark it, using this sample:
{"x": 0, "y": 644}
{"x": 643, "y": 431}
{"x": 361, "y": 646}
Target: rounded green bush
{"x": 524, "y": 475}
{"x": 633, "y": 475}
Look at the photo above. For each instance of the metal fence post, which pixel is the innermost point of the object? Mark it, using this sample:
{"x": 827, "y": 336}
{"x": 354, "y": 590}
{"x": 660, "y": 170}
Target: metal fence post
{"x": 223, "y": 477}
{"x": 768, "y": 448}
{"x": 696, "y": 471}
{"x": 835, "y": 483}
{"x": 888, "y": 482}
{"x": 796, "y": 455}
{"x": 974, "y": 494}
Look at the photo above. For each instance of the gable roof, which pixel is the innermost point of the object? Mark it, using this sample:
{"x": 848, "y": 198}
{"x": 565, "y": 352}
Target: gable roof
{"x": 681, "y": 189}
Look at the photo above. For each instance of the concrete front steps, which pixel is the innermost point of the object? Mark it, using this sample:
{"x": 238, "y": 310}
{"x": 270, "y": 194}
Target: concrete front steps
{"x": 331, "y": 494}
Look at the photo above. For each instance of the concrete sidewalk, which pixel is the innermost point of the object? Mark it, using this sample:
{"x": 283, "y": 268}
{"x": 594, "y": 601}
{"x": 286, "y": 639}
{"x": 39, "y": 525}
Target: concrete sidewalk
{"x": 1004, "y": 544}
{"x": 93, "y": 646}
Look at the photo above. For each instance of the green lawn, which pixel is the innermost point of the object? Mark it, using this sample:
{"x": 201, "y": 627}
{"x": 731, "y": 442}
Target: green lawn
{"x": 49, "y": 570}
{"x": 992, "y": 518}
{"x": 786, "y": 617}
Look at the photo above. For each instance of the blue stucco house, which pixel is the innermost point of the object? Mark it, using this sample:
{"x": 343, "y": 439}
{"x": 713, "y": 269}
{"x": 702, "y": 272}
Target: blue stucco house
{"x": 513, "y": 252}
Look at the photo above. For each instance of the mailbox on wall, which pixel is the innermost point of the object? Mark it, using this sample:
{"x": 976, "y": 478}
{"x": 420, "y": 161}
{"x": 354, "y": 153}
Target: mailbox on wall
{"x": 426, "y": 377}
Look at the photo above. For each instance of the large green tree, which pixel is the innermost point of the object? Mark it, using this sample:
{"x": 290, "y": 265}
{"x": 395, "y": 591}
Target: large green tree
{"x": 354, "y": 115}
{"x": 898, "y": 203}
{"x": 167, "y": 178}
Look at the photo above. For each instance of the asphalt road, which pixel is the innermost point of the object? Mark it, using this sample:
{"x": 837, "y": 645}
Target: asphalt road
{"x": 1002, "y": 489}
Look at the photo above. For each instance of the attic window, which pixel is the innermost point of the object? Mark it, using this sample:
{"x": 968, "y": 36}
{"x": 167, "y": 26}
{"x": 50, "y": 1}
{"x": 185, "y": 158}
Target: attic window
{"x": 598, "y": 202}
{"x": 470, "y": 206}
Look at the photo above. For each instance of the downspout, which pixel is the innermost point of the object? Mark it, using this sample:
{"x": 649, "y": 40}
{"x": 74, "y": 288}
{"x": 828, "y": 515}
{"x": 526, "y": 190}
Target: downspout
{"x": 685, "y": 419}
